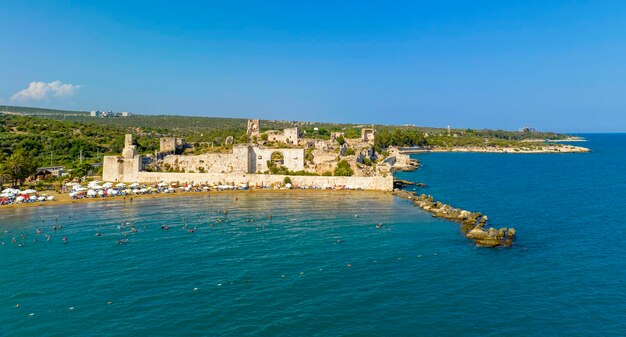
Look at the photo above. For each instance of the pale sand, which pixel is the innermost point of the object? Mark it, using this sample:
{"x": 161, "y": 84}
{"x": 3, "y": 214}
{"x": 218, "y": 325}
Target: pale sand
{"x": 64, "y": 198}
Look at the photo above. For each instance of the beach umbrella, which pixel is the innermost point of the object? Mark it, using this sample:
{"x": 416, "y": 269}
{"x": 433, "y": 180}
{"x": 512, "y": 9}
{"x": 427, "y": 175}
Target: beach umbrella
{"x": 120, "y": 185}
{"x": 91, "y": 193}
{"x": 100, "y": 192}
{"x": 114, "y": 192}
{"x": 107, "y": 185}
{"x": 32, "y": 197}
{"x": 6, "y": 195}
{"x": 7, "y": 190}
{"x": 41, "y": 198}
{"x": 205, "y": 188}
{"x": 288, "y": 185}
{"x": 81, "y": 189}
{"x": 143, "y": 190}
{"x": 19, "y": 198}
{"x": 135, "y": 191}
{"x": 73, "y": 194}
{"x": 162, "y": 184}
{"x": 29, "y": 191}
{"x": 134, "y": 185}
{"x": 51, "y": 197}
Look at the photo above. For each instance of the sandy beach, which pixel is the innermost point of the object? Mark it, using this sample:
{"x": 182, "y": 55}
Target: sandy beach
{"x": 64, "y": 198}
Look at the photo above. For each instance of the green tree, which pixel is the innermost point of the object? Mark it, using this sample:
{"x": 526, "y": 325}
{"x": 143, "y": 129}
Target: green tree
{"x": 343, "y": 169}
{"x": 19, "y": 166}
{"x": 80, "y": 170}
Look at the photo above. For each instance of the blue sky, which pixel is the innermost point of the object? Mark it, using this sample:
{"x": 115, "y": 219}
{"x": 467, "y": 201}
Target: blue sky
{"x": 554, "y": 65}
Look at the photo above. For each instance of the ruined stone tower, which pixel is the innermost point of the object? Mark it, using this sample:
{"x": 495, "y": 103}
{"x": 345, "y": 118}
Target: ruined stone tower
{"x": 254, "y": 128}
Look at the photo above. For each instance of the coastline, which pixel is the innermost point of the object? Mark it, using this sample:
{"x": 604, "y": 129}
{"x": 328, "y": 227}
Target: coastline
{"x": 512, "y": 150}
{"x": 64, "y": 199}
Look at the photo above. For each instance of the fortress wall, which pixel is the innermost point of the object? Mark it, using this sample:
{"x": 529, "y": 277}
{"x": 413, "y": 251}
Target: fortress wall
{"x": 293, "y": 158}
{"x": 367, "y": 183}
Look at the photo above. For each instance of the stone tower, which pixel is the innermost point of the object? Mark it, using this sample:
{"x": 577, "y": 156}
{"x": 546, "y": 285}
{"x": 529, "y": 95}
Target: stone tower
{"x": 254, "y": 128}
{"x": 130, "y": 150}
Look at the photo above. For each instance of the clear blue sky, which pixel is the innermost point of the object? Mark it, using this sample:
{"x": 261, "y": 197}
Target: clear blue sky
{"x": 554, "y": 65}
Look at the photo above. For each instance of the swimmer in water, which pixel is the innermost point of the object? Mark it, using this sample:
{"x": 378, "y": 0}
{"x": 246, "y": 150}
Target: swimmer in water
{"x": 165, "y": 227}
{"x": 54, "y": 228}
{"x": 379, "y": 226}
{"x": 65, "y": 239}
{"x": 98, "y": 234}
{"x": 38, "y": 231}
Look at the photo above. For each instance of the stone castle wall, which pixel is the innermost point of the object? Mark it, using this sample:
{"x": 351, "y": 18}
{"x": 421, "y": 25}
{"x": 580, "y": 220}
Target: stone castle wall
{"x": 366, "y": 183}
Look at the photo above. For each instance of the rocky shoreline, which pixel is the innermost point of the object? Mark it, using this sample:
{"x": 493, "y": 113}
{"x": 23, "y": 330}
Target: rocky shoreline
{"x": 473, "y": 224}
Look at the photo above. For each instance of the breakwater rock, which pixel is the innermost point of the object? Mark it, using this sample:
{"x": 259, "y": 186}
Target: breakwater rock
{"x": 473, "y": 224}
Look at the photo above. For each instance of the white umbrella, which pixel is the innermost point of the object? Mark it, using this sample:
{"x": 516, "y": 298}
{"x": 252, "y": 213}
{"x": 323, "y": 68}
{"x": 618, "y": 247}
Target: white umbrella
{"x": 96, "y": 187}
{"x": 51, "y": 197}
{"x": 19, "y": 198}
{"x": 134, "y": 185}
{"x": 288, "y": 185}
{"x": 114, "y": 192}
{"x": 101, "y": 193}
{"x": 29, "y": 191}
{"x": 72, "y": 194}
{"x": 107, "y": 185}
{"x": 135, "y": 191}
{"x": 120, "y": 185}
{"x": 6, "y": 195}
{"x": 162, "y": 184}
{"x": 143, "y": 190}
{"x": 41, "y": 198}
{"x": 81, "y": 189}
{"x": 7, "y": 190}
{"x": 91, "y": 193}
{"x": 32, "y": 197}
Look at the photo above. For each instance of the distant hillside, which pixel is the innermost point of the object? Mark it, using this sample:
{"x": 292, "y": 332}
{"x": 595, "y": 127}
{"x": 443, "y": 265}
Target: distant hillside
{"x": 60, "y": 136}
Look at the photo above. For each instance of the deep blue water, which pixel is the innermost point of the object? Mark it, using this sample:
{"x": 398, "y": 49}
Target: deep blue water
{"x": 289, "y": 276}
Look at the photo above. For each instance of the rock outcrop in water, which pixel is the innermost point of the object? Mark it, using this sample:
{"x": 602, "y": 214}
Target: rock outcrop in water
{"x": 473, "y": 224}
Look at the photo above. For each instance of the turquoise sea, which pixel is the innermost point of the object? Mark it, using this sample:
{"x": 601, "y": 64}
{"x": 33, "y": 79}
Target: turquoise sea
{"x": 320, "y": 267}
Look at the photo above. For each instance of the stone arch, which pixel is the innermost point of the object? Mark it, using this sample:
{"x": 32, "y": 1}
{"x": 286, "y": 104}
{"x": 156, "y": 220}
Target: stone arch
{"x": 277, "y": 158}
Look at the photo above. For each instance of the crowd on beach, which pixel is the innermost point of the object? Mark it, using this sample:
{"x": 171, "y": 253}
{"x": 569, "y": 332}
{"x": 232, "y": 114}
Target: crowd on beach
{"x": 96, "y": 189}
{"x": 11, "y": 196}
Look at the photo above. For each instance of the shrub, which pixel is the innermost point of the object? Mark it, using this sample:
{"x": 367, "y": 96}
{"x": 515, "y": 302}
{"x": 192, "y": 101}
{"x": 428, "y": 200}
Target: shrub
{"x": 343, "y": 169}
{"x": 350, "y": 152}
{"x": 287, "y": 180}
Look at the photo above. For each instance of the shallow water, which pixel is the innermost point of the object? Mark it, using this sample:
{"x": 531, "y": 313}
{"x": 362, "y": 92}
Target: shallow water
{"x": 291, "y": 275}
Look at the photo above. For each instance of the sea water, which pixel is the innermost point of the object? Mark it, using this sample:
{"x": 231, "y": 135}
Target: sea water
{"x": 319, "y": 266}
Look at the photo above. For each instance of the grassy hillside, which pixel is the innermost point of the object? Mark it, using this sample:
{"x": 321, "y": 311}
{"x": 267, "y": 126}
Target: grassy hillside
{"x": 58, "y": 136}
